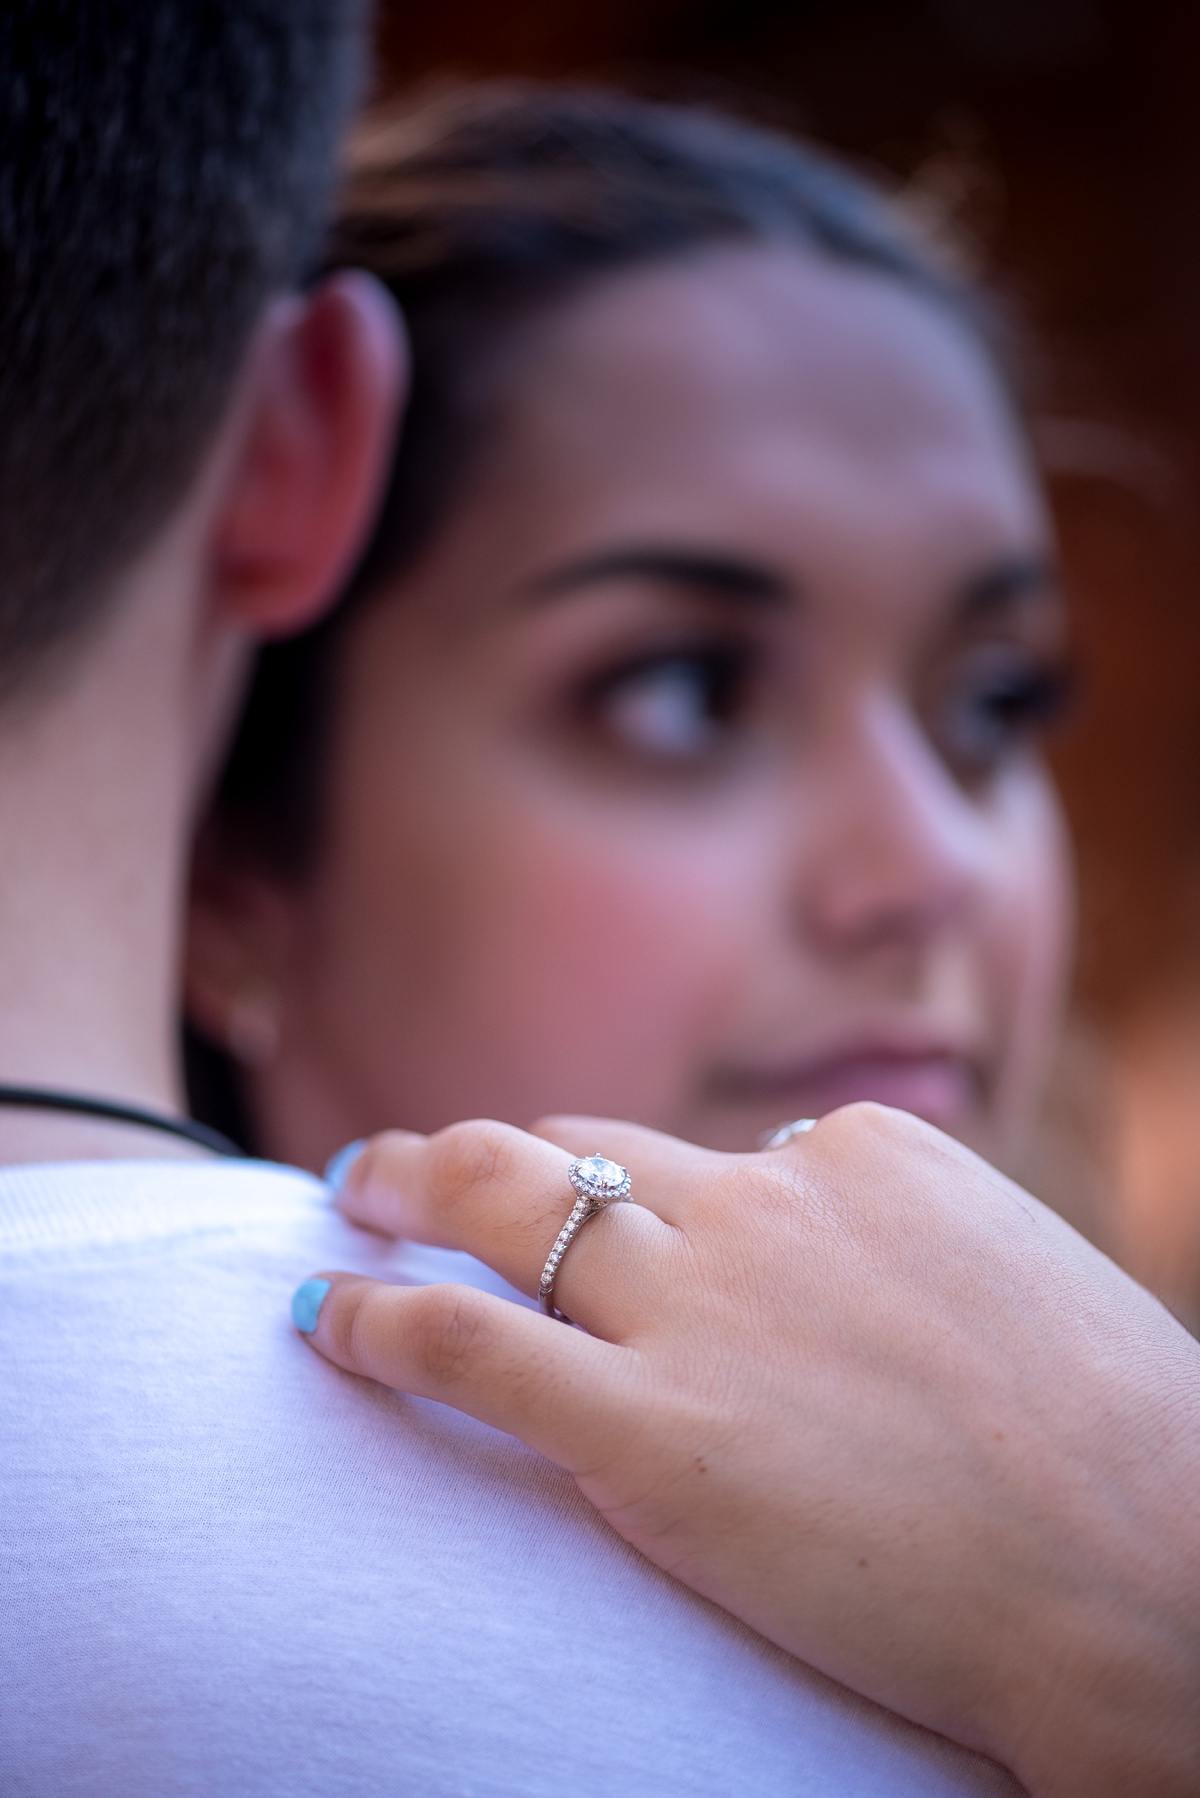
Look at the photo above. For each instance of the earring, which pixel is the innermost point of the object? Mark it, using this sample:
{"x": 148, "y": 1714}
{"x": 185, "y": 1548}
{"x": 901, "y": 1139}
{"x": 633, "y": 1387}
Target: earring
{"x": 252, "y": 1029}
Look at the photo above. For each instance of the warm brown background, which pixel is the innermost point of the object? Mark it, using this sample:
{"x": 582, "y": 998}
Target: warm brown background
{"x": 1061, "y": 134}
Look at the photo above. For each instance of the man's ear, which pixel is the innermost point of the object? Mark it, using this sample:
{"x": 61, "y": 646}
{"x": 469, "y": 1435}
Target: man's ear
{"x": 323, "y": 388}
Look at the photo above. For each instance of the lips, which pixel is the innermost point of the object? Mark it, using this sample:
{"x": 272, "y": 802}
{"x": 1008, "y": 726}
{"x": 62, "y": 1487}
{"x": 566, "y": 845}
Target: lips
{"x": 940, "y": 1086}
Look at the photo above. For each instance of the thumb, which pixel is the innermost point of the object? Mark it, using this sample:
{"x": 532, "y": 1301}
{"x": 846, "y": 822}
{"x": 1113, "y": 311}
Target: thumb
{"x": 554, "y": 1387}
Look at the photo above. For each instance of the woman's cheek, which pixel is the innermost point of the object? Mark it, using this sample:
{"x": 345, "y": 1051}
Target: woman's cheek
{"x": 1032, "y": 952}
{"x": 621, "y": 961}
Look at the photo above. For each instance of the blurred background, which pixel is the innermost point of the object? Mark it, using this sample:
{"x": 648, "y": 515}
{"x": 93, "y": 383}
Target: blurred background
{"x": 1056, "y": 141}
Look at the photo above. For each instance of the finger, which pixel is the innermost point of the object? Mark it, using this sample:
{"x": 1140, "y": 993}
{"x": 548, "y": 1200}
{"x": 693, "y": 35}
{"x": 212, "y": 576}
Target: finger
{"x": 564, "y": 1393}
{"x": 503, "y": 1196}
{"x": 663, "y": 1167}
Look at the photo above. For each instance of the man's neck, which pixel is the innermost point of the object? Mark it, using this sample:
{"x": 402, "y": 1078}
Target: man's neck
{"x": 98, "y": 770}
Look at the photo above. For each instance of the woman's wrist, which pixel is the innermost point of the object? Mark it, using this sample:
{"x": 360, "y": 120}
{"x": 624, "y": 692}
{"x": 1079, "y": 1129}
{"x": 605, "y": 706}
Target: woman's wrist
{"x": 1115, "y": 1724}
{"x": 1104, "y": 1695}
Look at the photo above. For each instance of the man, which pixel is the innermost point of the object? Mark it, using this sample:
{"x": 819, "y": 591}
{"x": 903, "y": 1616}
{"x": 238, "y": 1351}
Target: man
{"x": 229, "y": 1569}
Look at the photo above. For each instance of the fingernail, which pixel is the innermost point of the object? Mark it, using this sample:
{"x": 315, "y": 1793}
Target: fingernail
{"x": 306, "y": 1304}
{"x": 342, "y": 1162}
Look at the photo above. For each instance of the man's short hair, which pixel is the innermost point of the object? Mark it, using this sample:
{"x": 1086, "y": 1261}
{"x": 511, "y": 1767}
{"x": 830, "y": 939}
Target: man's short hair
{"x": 164, "y": 168}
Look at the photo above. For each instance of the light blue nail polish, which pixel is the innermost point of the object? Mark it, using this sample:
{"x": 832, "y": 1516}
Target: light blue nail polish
{"x": 306, "y": 1304}
{"x": 341, "y": 1163}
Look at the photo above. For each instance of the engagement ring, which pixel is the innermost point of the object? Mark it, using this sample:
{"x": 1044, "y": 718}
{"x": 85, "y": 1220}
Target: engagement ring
{"x": 598, "y": 1183}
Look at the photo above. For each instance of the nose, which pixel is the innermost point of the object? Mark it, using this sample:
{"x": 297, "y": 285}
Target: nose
{"x": 897, "y": 853}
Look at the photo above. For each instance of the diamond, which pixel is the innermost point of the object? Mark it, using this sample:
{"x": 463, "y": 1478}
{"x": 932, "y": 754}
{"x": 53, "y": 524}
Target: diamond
{"x": 599, "y": 1180}
{"x": 599, "y": 1171}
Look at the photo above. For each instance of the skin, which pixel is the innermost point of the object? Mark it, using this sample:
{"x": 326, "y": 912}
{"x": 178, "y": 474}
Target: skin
{"x": 263, "y": 538}
{"x": 106, "y": 757}
{"x": 675, "y": 780}
{"x": 862, "y": 1391}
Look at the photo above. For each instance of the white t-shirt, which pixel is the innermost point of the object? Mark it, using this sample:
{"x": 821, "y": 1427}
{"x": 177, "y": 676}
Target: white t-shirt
{"x": 232, "y": 1571}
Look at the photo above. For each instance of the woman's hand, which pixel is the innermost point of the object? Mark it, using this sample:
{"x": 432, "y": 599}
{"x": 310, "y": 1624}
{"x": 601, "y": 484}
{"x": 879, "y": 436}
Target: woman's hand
{"x": 861, "y": 1391}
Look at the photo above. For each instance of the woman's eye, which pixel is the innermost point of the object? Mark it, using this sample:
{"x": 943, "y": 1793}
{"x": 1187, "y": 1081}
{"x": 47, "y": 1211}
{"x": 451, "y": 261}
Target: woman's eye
{"x": 677, "y": 707}
{"x": 1001, "y": 701}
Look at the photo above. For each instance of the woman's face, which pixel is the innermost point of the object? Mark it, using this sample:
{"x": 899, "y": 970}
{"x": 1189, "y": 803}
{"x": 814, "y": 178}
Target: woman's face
{"x": 692, "y": 775}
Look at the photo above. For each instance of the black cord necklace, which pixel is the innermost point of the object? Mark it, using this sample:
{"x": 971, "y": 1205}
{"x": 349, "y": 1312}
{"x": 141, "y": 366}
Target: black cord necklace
{"x": 41, "y": 1098}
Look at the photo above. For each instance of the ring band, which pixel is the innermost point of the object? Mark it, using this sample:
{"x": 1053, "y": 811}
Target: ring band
{"x": 778, "y": 1139}
{"x": 598, "y": 1183}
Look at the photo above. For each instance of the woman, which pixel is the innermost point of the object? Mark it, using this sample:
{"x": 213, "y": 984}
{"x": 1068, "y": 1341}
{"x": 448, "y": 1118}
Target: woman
{"x": 674, "y": 755}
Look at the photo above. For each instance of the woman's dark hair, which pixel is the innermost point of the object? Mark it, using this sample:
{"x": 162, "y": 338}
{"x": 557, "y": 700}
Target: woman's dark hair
{"x": 482, "y": 207}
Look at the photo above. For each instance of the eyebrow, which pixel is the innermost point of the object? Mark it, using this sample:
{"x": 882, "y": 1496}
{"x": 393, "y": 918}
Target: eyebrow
{"x": 1007, "y": 583}
{"x": 726, "y": 577}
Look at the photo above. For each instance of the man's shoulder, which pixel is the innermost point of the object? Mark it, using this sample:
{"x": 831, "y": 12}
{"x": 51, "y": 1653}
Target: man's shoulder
{"x": 287, "y": 1566}
{"x": 74, "y": 1205}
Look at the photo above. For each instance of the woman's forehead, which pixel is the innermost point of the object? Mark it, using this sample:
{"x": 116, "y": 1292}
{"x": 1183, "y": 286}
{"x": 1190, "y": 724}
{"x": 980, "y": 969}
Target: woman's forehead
{"x": 690, "y": 362}
{"x": 763, "y": 398}
{"x": 826, "y": 424}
